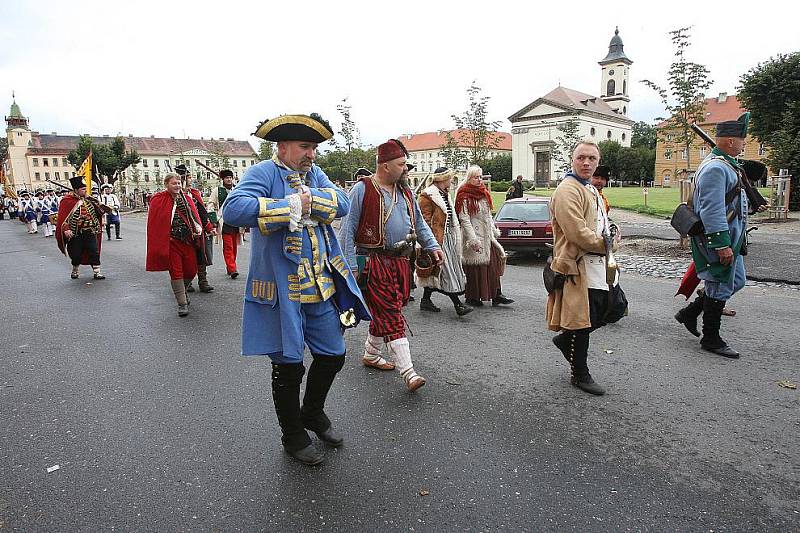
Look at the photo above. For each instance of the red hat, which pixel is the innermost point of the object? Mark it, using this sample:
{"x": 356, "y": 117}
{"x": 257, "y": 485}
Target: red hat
{"x": 391, "y": 149}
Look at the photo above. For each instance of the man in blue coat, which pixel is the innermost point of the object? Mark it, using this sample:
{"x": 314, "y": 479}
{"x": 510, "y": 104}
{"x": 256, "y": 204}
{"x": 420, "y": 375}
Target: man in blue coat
{"x": 720, "y": 202}
{"x": 300, "y": 291}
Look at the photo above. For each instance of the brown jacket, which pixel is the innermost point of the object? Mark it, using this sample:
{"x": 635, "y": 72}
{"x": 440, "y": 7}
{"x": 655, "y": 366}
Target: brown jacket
{"x": 573, "y": 210}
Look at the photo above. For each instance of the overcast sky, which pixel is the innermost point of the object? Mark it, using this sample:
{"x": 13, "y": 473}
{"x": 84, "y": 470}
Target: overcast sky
{"x": 215, "y": 69}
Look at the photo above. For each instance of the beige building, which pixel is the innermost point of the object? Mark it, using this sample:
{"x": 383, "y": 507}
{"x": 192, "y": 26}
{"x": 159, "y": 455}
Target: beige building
{"x": 535, "y": 127}
{"x": 672, "y": 160}
{"x": 35, "y": 158}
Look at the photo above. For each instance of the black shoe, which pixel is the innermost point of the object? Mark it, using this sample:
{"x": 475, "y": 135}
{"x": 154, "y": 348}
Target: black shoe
{"x": 428, "y": 305}
{"x": 206, "y": 288}
{"x": 190, "y": 288}
{"x": 474, "y": 303}
{"x": 720, "y": 348}
{"x": 119, "y": 238}
{"x": 500, "y": 299}
{"x": 73, "y": 275}
{"x": 234, "y": 275}
{"x": 330, "y": 437}
{"x": 99, "y": 276}
{"x": 308, "y": 455}
{"x": 587, "y": 384}
{"x": 689, "y": 322}
{"x": 462, "y": 309}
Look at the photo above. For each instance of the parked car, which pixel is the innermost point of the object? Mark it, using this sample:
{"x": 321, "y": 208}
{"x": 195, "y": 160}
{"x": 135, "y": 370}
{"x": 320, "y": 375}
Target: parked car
{"x": 524, "y": 224}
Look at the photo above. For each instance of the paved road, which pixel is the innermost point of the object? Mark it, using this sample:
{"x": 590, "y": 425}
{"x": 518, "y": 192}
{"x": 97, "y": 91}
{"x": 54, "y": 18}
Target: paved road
{"x": 774, "y": 247}
{"x": 158, "y": 424}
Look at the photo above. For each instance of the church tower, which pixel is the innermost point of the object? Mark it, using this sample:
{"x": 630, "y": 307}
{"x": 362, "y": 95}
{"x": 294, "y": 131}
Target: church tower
{"x": 615, "y": 76}
{"x": 19, "y": 139}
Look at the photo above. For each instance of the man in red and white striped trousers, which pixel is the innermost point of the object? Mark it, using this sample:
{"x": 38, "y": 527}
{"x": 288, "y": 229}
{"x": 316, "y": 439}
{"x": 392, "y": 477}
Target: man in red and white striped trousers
{"x": 382, "y": 228}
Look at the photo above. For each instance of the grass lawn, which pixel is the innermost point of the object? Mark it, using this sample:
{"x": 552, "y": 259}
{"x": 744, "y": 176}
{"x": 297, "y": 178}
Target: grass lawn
{"x": 661, "y": 202}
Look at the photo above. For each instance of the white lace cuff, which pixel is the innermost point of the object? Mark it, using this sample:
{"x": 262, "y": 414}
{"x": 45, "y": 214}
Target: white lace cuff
{"x": 295, "y": 211}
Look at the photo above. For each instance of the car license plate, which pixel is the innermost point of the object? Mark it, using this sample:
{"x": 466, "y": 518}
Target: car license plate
{"x": 520, "y": 232}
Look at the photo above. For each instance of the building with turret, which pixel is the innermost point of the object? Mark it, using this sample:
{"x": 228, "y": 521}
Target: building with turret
{"x": 535, "y": 127}
{"x": 35, "y": 159}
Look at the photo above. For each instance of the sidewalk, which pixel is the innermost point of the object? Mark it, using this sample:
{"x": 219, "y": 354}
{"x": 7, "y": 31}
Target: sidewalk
{"x": 773, "y": 252}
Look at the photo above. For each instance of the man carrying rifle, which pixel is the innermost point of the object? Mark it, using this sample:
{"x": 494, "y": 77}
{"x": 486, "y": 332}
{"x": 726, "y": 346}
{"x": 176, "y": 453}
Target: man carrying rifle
{"x": 721, "y": 204}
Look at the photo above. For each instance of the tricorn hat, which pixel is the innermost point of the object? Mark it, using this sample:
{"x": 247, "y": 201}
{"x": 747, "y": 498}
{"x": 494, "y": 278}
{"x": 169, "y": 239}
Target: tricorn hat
{"x": 734, "y": 128}
{"x": 361, "y": 172}
{"x": 410, "y": 167}
{"x": 309, "y": 128}
{"x": 39, "y": 191}
{"x": 78, "y": 182}
{"x": 181, "y": 169}
{"x": 602, "y": 171}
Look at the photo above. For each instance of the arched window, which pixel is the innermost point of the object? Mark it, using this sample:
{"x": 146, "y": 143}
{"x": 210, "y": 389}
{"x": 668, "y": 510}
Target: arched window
{"x": 624, "y": 110}
{"x": 608, "y": 135}
{"x": 610, "y": 88}
{"x": 623, "y": 136}
{"x": 592, "y": 132}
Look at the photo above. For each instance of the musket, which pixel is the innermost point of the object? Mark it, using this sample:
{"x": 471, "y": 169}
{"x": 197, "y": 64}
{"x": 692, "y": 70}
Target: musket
{"x": 207, "y": 168}
{"x": 754, "y": 198}
{"x": 62, "y": 186}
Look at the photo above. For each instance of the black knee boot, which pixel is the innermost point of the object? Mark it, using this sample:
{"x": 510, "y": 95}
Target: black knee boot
{"x": 688, "y": 315}
{"x": 286, "y": 380}
{"x": 320, "y": 378}
{"x": 578, "y": 344}
{"x": 712, "y": 320}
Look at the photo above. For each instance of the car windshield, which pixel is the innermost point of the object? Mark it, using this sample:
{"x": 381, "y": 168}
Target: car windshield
{"x": 524, "y": 211}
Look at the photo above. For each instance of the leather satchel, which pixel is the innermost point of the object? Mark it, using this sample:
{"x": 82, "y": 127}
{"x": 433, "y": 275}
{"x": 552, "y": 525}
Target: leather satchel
{"x": 685, "y": 221}
{"x": 553, "y": 281}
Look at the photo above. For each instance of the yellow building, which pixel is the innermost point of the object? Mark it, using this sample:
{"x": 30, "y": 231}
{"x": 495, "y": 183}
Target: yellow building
{"x": 35, "y": 159}
{"x": 672, "y": 161}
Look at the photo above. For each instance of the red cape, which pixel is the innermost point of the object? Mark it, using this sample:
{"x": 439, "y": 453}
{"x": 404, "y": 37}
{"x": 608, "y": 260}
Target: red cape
{"x": 64, "y": 209}
{"x": 159, "y": 227}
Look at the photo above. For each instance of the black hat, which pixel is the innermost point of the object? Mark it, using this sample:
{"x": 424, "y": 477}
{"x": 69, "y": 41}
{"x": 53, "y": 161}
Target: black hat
{"x": 24, "y": 192}
{"x": 181, "y": 169}
{"x": 49, "y": 189}
{"x": 734, "y": 128}
{"x": 226, "y": 173}
{"x": 602, "y": 171}
{"x": 38, "y": 192}
{"x": 361, "y": 172}
{"x": 78, "y": 182}
{"x": 410, "y": 167}
{"x": 310, "y": 128}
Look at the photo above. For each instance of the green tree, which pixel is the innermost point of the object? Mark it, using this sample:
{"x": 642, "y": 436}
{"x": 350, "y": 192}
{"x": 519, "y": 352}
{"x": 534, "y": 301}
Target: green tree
{"x": 609, "y": 156}
{"x": 634, "y": 164}
{"x": 565, "y": 143}
{"x": 350, "y": 137}
{"x": 499, "y": 167}
{"x": 3, "y": 149}
{"x": 644, "y": 135}
{"x": 684, "y": 99}
{"x": 454, "y": 157}
{"x": 266, "y": 151}
{"x": 475, "y": 131}
{"x": 771, "y": 92}
{"x": 110, "y": 158}
{"x": 340, "y": 165}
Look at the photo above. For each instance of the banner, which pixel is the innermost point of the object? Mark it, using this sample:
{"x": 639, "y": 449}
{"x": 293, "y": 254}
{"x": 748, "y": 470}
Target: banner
{"x": 86, "y": 172}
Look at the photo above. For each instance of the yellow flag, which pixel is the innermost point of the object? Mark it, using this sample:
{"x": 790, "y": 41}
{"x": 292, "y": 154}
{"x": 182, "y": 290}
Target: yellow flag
{"x": 86, "y": 172}
{"x": 10, "y": 192}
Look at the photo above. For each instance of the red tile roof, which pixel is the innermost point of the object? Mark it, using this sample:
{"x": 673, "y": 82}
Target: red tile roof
{"x": 717, "y": 111}
{"x": 436, "y": 139}
{"x": 61, "y": 144}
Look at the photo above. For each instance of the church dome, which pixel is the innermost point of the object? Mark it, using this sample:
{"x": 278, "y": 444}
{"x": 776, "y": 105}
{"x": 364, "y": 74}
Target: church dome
{"x": 615, "y": 50}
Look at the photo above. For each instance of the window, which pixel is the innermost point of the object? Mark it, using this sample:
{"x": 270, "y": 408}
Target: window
{"x": 38, "y": 177}
{"x": 683, "y": 154}
{"x": 144, "y": 164}
{"x": 244, "y": 163}
{"x": 252, "y": 162}
{"x": 592, "y": 132}
{"x": 666, "y": 178}
{"x": 235, "y": 163}
{"x": 624, "y": 110}
{"x": 146, "y": 176}
{"x": 55, "y": 162}
{"x": 58, "y": 175}
{"x": 155, "y": 163}
{"x": 45, "y": 162}
{"x": 47, "y": 175}
{"x": 624, "y": 87}
{"x": 610, "y": 88}
{"x": 608, "y": 135}
{"x": 156, "y": 174}
{"x": 36, "y": 161}
{"x": 668, "y": 154}
{"x": 623, "y": 136}
{"x": 64, "y": 162}
{"x": 762, "y": 150}
{"x": 702, "y": 151}
{"x": 669, "y": 137}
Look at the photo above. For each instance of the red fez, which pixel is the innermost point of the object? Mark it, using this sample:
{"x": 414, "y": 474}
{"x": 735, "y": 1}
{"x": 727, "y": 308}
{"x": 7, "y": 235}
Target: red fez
{"x": 391, "y": 149}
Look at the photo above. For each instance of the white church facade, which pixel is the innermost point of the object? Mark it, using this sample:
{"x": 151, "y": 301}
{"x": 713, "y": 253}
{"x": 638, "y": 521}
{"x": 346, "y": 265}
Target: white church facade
{"x": 535, "y": 127}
